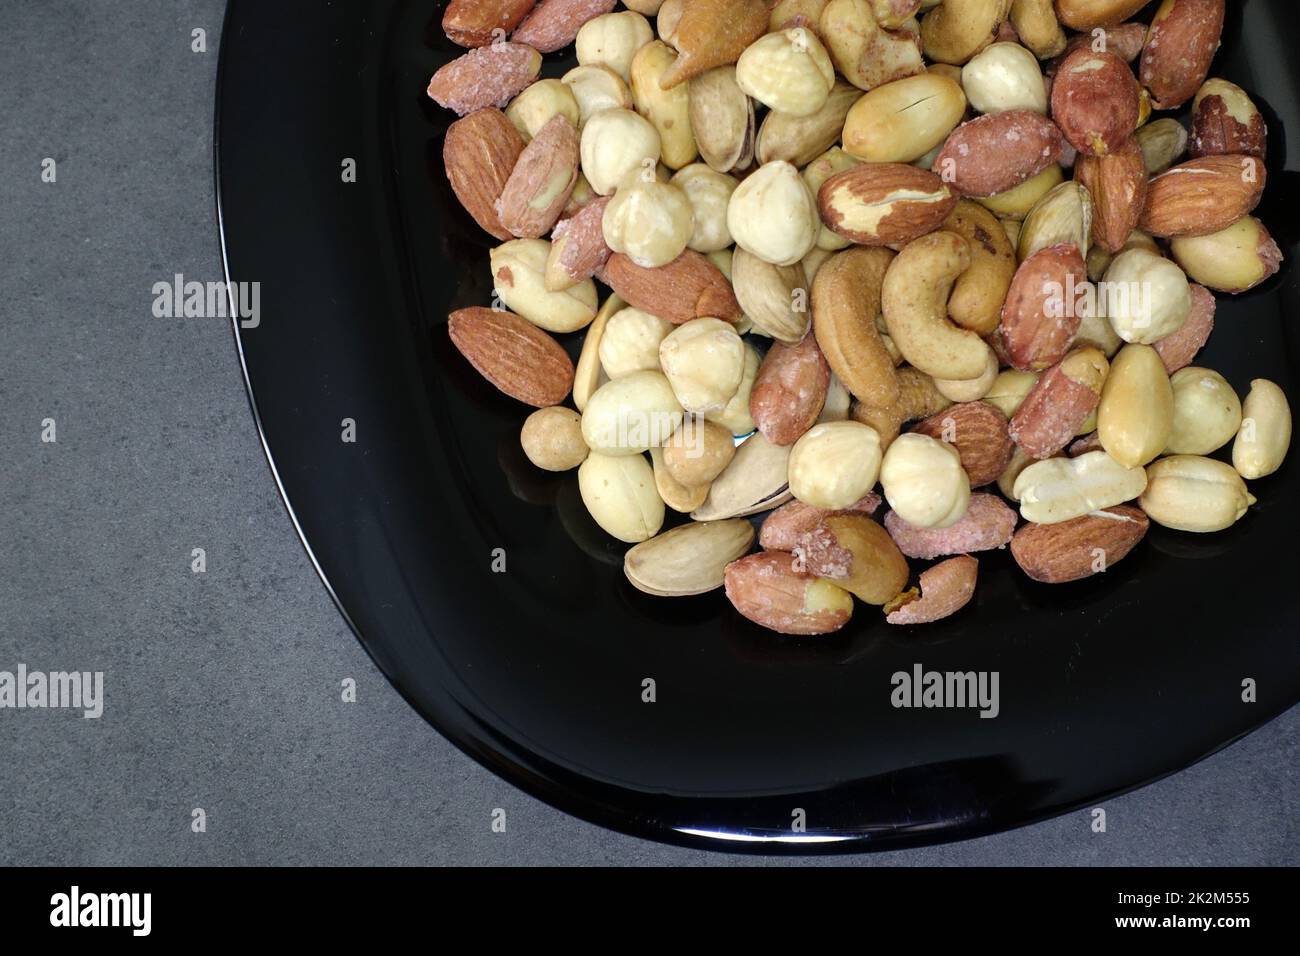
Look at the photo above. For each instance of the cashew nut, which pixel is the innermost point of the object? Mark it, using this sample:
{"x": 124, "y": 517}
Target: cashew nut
{"x": 917, "y": 398}
{"x": 958, "y": 29}
{"x": 915, "y": 303}
{"x": 845, "y": 302}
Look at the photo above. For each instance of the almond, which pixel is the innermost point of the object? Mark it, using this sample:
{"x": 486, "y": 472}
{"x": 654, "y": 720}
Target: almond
{"x": 554, "y": 24}
{"x": 1181, "y": 44}
{"x": 945, "y": 589}
{"x": 1202, "y": 196}
{"x": 783, "y": 529}
{"x": 513, "y": 354}
{"x": 713, "y": 33}
{"x": 542, "y": 181}
{"x": 1095, "y": 101}
{"x": 1117, "y": 183}
{"x": 979, "y": 433}
{"x": 881, "y": 204}
{"x": 689, "y": 287}
{"x": 474, "y": 23}
{"x": 856, "y": 554}
{"x": 1080, "y": 547}
{"x": 1038, "y": 322}
{"x": 1177, "y": 350}
{"x": 987, "y": 524}
{"x": 578, "y": 249}
{"x": 1059, "y": 403}
{"x": 768, "y": 590}
{"x": 1224, "y": 120}
{"x": 789, "y": 390}
{"x": 489, "y": 76}
{"x": 994, "y": 153}
{"x": 479, "y": 154}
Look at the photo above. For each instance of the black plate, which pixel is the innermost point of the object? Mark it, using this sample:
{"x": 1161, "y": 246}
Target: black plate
{"x": 537, "y": 672}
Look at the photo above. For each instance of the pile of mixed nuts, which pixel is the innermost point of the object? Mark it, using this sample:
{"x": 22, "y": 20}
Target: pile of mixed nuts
{"x": 843, "y": 252}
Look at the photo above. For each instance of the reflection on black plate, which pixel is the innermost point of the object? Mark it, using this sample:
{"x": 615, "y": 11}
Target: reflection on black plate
{"x": 537, "y": 672}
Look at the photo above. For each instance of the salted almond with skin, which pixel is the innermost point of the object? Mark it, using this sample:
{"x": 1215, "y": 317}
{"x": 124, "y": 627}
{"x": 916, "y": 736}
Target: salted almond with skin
{"x": 987, "y": 524}
{"x": 1224, "y": 120}
{"x": 880, "y": 204}
{"x": 513, "y": 354}
{"x": 856, "y": 554}
{"x": 713, "y": 33}
{"x": 689, "y": 287}
{"x": 1081, "y": 547}
{"x": 1117, "y": 183}
{"x": 475, "y": 23}
{"x": 554, "y": 24}
{"x": 789, "y": 390}
{"x": 979, "y": 433}
{"x": 1136, "y": 415}
{"x": 1177, "y": 350}
{"x": 1202, "y": 196}
{"x": 1180, "y": 46}
{"x": 994, "y": 153}
{"x": 785, "y": 527}
{"x": 489, "y": 76}
{"x": 578, "y": 248}
{"x": 846, "y": 297}
{"x": 1038, "y": 326}
{"x": 478, "y": 155}
{"x": 542, "y": 180}
{"x": 690, "y": 559}
{"x": 1095, "y": 101}
{"x": 1059, "y": 403}
{"x": 768, "y": 590}
{"x": 945, "y": 589}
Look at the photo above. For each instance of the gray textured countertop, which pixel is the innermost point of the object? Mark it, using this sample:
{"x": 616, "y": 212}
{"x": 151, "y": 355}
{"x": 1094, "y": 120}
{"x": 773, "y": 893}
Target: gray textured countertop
{"x": 222, "y": 688}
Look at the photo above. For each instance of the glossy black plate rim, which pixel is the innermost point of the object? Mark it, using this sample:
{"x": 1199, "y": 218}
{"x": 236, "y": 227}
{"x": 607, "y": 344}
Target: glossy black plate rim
{"x": 570, "y": 792}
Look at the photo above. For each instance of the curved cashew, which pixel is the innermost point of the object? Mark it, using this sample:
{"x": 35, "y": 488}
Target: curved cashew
{"x": 915, "y": 302}
{"x": 958, "y": 29}
{"x": 918, "y": 397}
{"x": 978, "y": 293}
{"x": 845, "y": 303}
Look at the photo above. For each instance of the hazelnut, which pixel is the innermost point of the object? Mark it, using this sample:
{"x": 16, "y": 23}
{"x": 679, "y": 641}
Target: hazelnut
{"x": 834, "y": 464}
{"x": 704, "y": 360}
{"x": 615, "y": 143}
{"x": 773, "y": 215}
{"x": 630, "y": 342}
{"x": 924, "y": 481}
{"x": 709, "y": 193}
{"x": 612, "y": 39}
{"x": 649, "y": 221}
